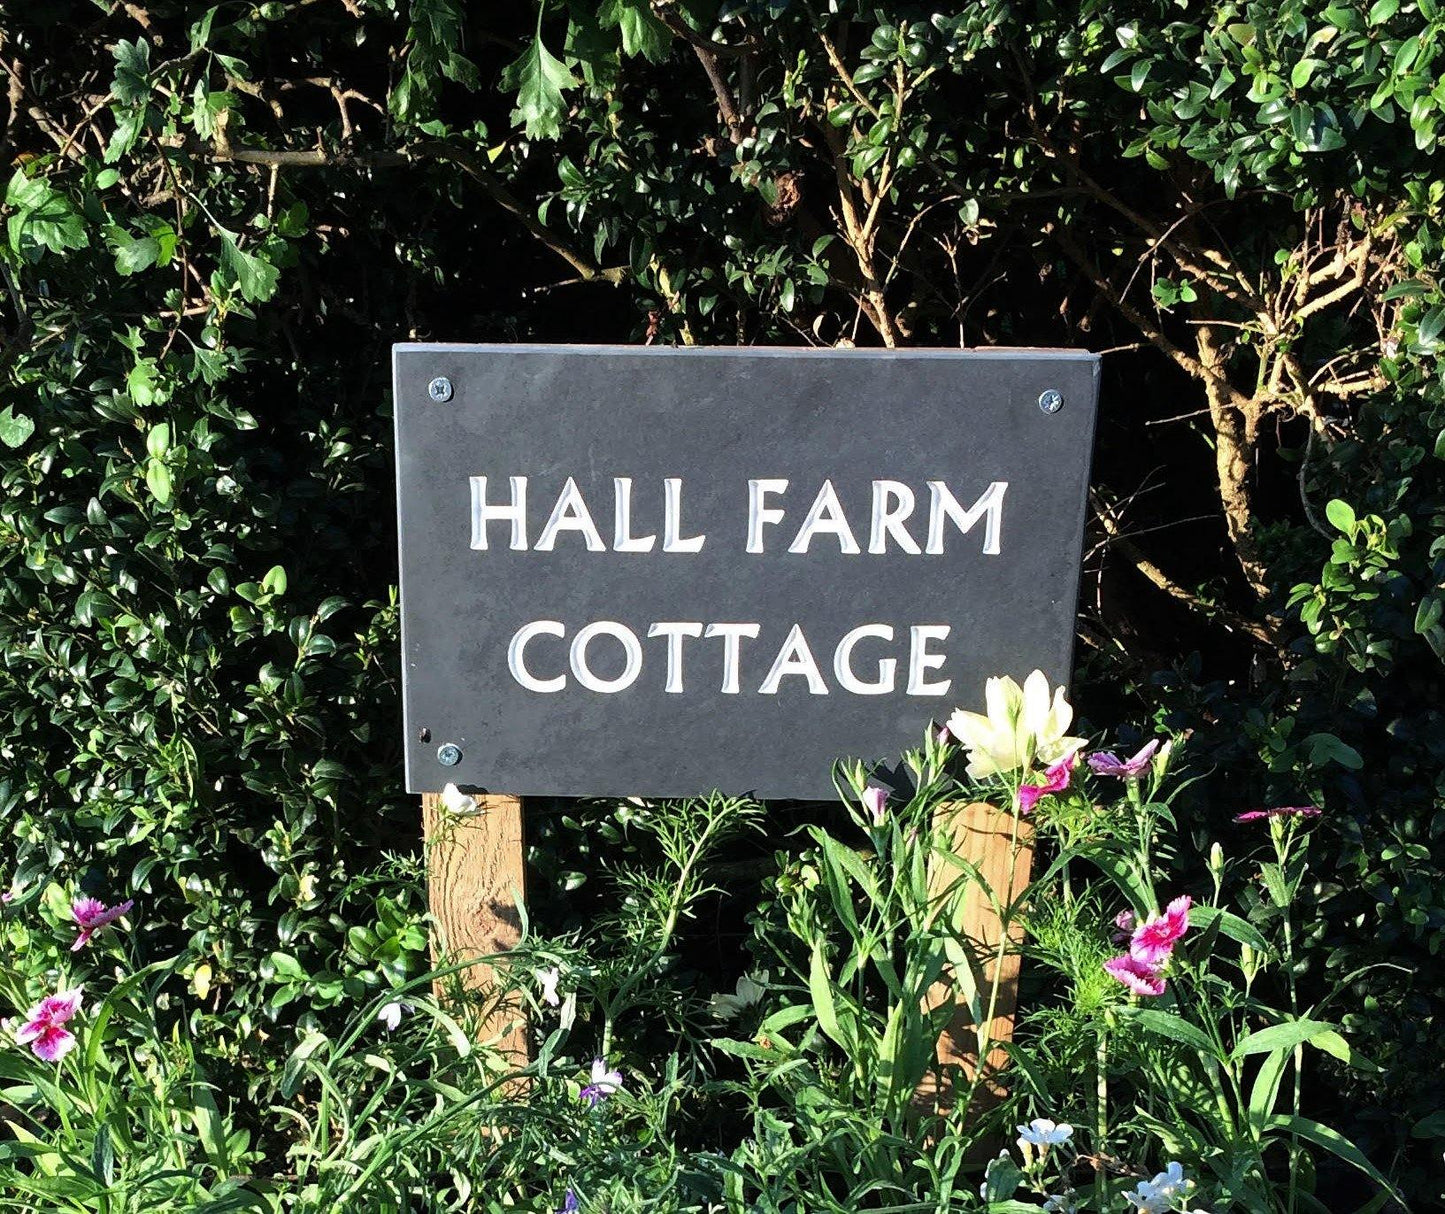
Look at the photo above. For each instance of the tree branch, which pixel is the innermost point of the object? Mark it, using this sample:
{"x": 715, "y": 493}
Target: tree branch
{"x": 708, "y": 53}
{"x": 469, "y": 161}
{"x": 1136, "y": 318}
{"x": 1130, "y": 551}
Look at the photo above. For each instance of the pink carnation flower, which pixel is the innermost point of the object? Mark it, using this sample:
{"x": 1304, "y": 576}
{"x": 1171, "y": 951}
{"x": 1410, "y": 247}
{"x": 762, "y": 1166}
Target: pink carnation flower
{"x": 41, "y": 1030}
{"x": 1056, "y": 779}
{"x": 1139, "y": 977}
{"x": 1155, "y": 938}
{"x": 1107, "y": 763}
{"x": 1279, "y": 811}
{"x": 92, "y": 914}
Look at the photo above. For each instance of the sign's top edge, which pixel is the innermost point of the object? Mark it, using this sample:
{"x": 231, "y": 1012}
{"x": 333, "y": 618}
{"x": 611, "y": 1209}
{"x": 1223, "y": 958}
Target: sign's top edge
{"x": 989, "y": 352}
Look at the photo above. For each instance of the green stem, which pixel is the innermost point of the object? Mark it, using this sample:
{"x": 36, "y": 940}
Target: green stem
{"x": 616, "y": 1004}
{"x": 1282, "y": 858}
{"x": 1101, "y": 1116}
{"x": 985, "y": 1031}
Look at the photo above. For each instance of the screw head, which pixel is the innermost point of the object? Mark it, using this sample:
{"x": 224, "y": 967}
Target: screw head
{"x": 440, "y": 389}
{"x": 1051, "y": 400}
{"x": 449, "y": 754}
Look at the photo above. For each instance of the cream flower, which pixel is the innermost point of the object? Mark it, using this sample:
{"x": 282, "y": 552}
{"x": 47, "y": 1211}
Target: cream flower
{"x": 1022, "y": 727}
{"x": 457, "y": 803}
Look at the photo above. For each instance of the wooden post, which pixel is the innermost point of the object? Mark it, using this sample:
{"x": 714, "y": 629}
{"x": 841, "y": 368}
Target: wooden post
{"x": 475, "y": 876}
{"x": 984, "y": 837}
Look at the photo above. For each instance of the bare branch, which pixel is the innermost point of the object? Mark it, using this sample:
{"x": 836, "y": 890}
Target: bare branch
{"x": 1132, "y": 314}
{"x": 708, "y": 53}
{"x": 1164, "y": 582}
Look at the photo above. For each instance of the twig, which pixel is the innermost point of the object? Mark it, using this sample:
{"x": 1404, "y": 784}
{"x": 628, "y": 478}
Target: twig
{"x": 708, "y": 53}
{"x": 1132, "y": 314}
{"x": 1164, "y": 582}
{"x": 470, "y": 162}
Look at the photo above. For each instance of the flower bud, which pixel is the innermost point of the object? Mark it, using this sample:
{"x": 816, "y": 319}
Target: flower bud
{"x": 1250, "y": 962}
{"x": 1216, "y": 861}
{"x": 1161, "y": 759}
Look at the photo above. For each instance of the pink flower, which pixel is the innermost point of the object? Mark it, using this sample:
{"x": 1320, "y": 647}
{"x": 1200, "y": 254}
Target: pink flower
{"x": 1280, "y": 811}
{"x": 1140, "y": 977}
{"x": 1056, "y": 779}
{"x": 1124, "y": 926}
{"x": 92, "y": 915}
{"x": 1106, "y": 763}
{"x": 875, "y": 801}
{"x": 943, "y": 737}
{"x": 41, "y": 1030}
{"x": 1154, "y": 939}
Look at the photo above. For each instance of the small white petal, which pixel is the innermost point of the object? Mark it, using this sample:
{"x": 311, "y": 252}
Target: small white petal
{"x": 456, "y": 802}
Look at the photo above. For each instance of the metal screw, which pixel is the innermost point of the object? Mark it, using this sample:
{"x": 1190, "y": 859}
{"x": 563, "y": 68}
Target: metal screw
{"x": 440, "y": 389}
{"x": 1051, "y": 400}
{"x": 449, "y": 754}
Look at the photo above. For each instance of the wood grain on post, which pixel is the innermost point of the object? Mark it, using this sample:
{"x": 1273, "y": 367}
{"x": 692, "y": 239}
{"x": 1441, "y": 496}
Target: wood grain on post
{"x": 475, "y": 876}
{"x": 984, "y": 837}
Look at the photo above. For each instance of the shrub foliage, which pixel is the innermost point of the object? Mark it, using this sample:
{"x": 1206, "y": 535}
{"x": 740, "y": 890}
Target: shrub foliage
{"x": 218, "y": 218}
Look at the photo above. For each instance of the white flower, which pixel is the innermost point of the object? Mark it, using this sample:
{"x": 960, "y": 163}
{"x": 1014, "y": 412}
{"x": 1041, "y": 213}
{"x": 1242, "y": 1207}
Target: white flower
{"x": 1022, "y": 727}
{"x": 1158, "y": 1195}
{"x": 1063, "y": 1204}
{"x": 456, "y": 802}
{"x": 391, "y": 1013}
{"x": 749, "y": 991}
{"x": 547, "y": 980}
{"x": 1041, "y": 1132}
{"x": 604, "y": 1083}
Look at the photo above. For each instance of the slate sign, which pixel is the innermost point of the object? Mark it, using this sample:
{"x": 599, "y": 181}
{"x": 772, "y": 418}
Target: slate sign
{"x": 656, "y": 572}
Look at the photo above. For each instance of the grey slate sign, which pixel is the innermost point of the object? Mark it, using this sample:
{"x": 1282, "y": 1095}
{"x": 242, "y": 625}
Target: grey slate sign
{"x": 658, "y": 572}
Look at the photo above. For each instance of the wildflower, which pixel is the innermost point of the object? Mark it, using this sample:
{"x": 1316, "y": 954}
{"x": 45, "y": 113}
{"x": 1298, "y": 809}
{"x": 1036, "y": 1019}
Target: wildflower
{"x": 1123, "y": 926}
{"x": 570, "y": 1204}
{"x": 1155, "y": 938}
{"x": 875, "y": 801}
{"x": 1021, "y": 727}
{"x": 391, "y": 1014}
{"x": 547, "y": 980}
{"x": 1106, "y": 763}
{"x": 1279, "y": 811}
{"x": 1139, "y": 977}
{"x": 1062, "y": 1204}
{"x": 1056, "y": 779}
{"x": 92, "y": 914}
{"x": 749, "y": 992}
{"x": 1041, "y": 1132}
{"x": 1157, "y": 1195}
{"x": 604, "y": 1083}
{"x": 457, "y": 803}
{"x": 41, "y": 1030}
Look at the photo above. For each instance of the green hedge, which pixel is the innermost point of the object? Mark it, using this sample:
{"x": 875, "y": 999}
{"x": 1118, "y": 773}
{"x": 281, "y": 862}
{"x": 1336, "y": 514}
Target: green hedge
{"x": 218, "y": 218}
